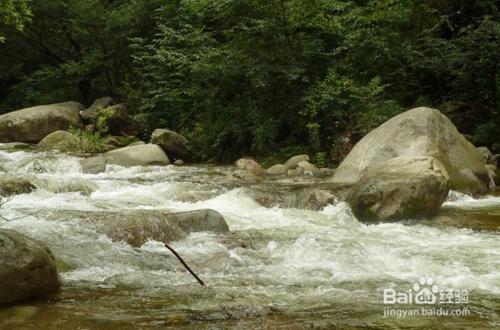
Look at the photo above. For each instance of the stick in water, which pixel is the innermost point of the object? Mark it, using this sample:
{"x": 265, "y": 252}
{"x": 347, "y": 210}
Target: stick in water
{"x": 184, "y": 264}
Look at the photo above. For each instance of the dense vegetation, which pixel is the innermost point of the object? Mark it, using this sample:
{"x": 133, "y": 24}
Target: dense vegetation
{"x": 257, "y": 76}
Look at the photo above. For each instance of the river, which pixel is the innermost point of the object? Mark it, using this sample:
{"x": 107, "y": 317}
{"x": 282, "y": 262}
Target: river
{"x": 278, "y": 268}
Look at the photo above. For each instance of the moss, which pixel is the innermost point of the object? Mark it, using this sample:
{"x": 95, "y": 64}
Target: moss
{"x": 16, "y": 186}
{"x": 102, "y": 119}
{"x": 89, "y": 143}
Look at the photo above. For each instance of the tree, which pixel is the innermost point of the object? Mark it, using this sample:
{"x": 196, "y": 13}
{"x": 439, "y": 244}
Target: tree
{"x": 74, "y": 49}
{"x": 14, "y": 13}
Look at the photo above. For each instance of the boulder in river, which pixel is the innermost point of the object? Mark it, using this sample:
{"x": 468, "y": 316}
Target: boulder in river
{"x": 248, "y": 164}
{"x": 295, "y": 160}
{"x": 418, "y": 132}
{"x": 138, "y": 155}
{"x": 400, "y": 188}
{"x": 246, "y": 176}
{"x": 136, "y": 227}
{"x": 308, "y": 168}
{"x": 33, "y": 124}
{"x": 175, "y": 145}
{"x": 278, "y": 169}
{"x": 61, "y": 140}
{"x": 27, "y": 268}
{"x": 15, "y": 146}
{"x": 14, "y": 186}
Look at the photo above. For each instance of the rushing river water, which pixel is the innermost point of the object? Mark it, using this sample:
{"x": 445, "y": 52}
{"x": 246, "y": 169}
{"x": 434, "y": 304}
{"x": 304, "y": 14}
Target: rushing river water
{"x": 278, "y": 268}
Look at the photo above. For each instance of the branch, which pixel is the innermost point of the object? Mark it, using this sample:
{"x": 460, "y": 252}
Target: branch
{"x": 184, "y": 264}
{"x": 3, "y": 202}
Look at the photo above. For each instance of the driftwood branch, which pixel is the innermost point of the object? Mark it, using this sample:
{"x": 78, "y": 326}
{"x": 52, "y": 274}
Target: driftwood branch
{"x": 5, "y": 201}
{"x": 184, "y": 264}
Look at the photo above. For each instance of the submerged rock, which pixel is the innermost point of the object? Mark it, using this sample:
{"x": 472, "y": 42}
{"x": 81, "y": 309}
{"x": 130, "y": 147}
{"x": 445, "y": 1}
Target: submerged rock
{"x": 400, "y": 188}
{"x": 33, "y": 124}
{"x": 15, "y": 146}
{"x": 247, "y": 176}
{"x": 174, "y": 144}
{"x": 139, "y": 155}
{"x": 15, "y": 186}
{"x": 27, "y": 268}
{"x": 136, "y": 227}
{"x": 307, "y": 198}
{"x": 470, "y": 219}
{"x": 67, "y": 185}
{"x": 418, "y": 132}
{"x": 93, "y": 165}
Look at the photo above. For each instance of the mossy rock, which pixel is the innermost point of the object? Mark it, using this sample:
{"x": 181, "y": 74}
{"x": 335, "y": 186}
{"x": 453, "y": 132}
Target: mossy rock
{"x": 15, "y": 186}
{"x": 61, "y": 140}
{"x": 77, "y": 141}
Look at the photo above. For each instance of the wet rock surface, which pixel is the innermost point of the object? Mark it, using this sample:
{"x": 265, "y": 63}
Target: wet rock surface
{"x": 27, "y": 268}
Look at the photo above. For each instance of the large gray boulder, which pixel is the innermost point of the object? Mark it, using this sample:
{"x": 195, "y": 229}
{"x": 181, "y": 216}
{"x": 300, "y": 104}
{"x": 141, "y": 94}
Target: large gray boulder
{"x": 175, "y": 145}
{"x": 27, "y": 268}
{"x": 418, "y": 132}
{"x": 136, "y": 227}
{"x": 33, "y": 124}
{"x": 400, "y": 188}
{"x": 139, "y": 155}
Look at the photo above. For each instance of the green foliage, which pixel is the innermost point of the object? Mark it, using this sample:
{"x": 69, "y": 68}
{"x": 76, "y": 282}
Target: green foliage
{"x": 88, "y": 142}
{"x": 14, "y": 13}
{"x": 487, "y": 135}
{"x": 73, "y": 50}
{"x": 256, "y": 77}
{"x": 101, "y": 123}
{"x": 126, "y": 140}
{"x": 320, "y": 159}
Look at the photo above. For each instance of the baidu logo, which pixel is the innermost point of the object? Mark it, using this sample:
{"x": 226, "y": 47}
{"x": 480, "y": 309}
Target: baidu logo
{"x": 426, "y": 299}
{"x": 426, "y": 292}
